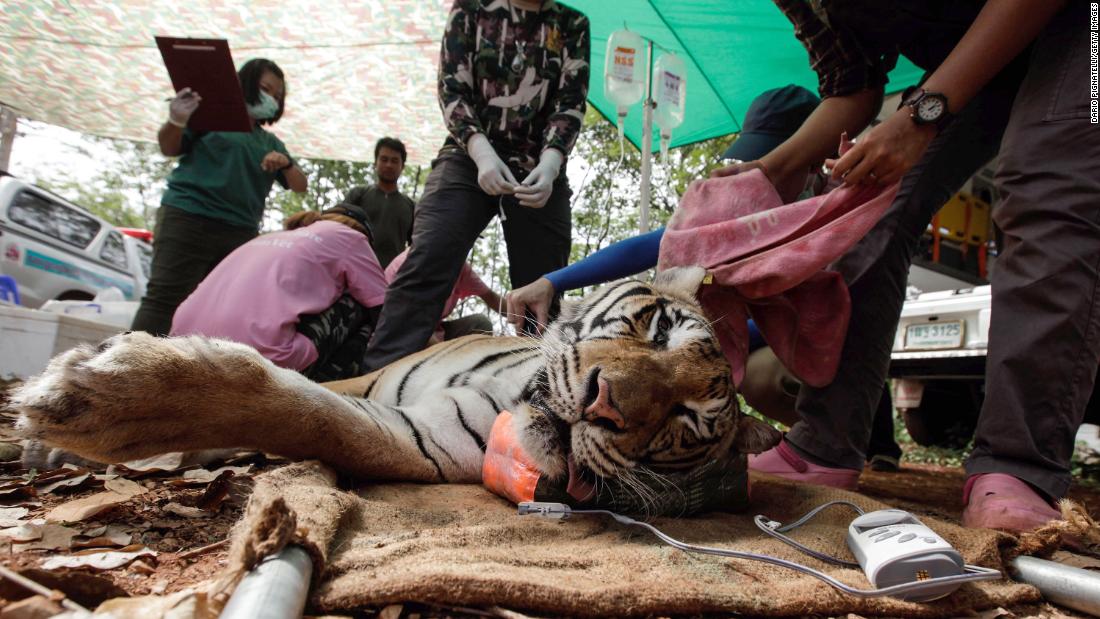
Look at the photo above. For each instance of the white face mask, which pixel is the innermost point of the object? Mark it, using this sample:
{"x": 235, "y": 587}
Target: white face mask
{"x": 267, "y": 108}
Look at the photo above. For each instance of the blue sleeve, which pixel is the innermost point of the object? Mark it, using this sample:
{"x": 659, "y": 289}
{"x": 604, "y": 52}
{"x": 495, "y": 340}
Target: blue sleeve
{"x": 621, "y": 259}
{"x": 756, "y": 339}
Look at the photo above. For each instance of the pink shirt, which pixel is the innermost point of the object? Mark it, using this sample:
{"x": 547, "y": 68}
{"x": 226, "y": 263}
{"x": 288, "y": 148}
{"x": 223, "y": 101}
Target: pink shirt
{"x": 257, "y": 293}
{"x": 467, "y": 285}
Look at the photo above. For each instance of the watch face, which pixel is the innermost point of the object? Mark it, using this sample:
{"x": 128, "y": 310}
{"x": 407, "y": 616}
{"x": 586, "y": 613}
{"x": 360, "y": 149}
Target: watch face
{"x": 930, "y": 109}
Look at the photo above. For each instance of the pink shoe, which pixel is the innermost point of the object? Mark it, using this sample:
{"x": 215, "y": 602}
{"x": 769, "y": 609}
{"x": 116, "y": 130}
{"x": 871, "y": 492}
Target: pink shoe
{"x": 783, "y": 462}
{"x": 1000, "y": 501}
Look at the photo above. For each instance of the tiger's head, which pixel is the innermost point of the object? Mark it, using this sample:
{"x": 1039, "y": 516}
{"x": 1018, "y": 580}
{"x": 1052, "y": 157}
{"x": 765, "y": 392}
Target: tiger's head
{"x": 634, "y": 379}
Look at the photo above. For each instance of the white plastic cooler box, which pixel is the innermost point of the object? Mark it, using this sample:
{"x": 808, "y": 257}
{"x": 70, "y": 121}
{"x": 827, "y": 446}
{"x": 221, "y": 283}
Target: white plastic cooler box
{"x": 116, "y": 313}
{"x": 30, "y": 338}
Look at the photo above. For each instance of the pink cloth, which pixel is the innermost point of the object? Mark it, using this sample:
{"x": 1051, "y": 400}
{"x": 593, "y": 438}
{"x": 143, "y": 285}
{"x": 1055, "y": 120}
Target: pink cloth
{"x": 467, "y": 285}
{"x": 767, "y": 260}
{"x": 257, "y": 293}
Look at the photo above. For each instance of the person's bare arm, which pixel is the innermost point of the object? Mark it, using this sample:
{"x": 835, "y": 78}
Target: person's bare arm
{"x": 1000, "y": 32}
{"x": 493, "y": 300}
{"x": 170, "y": 139}
{"x": 296, "y": 180}
{"x": 787, "y": 165}
{"x": 534, "y": 298}
{"x": 275, "y": 161}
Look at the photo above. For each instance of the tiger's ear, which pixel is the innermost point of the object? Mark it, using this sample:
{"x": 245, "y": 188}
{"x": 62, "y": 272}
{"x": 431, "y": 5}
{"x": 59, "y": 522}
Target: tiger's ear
{"x": 755, "y": 436}
{"x": 680, "y": 281}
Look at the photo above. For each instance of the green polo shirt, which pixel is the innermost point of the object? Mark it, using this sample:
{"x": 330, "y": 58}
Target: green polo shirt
{"x": 219, "y": 175}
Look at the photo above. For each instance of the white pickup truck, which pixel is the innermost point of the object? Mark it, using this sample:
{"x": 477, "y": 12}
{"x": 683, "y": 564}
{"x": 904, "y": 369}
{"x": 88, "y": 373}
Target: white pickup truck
{"x": 938, "y": 358}
{"x": 939, "y": 354}
{"x": 938, "y": 365}
{"x": 56, "y": 250}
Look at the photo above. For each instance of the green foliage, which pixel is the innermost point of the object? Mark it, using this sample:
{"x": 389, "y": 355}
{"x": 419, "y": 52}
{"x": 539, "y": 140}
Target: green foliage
{"x": 1085, "y": 469}
{"x": 605, "y": 199}
{"x": 109, "y": 204}
{"x": 605, "y": 186}
{"x": 752, "y": 412}
{"x": 1084, "y": 466}
{"x": 329, "y": 182}
{"x": 126, "y": 192}
{"x": 606, "y": 202}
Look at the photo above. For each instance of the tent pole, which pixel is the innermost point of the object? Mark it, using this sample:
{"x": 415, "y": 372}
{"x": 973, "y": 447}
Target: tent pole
{"x": 8, "y": 125}
{"x": 416, "y": 184}
{"x": 647, "y": 140}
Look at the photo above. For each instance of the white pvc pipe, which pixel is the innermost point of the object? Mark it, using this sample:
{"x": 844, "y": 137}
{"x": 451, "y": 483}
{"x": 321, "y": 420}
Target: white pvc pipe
{"x": 1064, "y": 585}
{"x": 647, "y": 140}
{"x": 276, "y": 589}
{"x": 8, "y": 125}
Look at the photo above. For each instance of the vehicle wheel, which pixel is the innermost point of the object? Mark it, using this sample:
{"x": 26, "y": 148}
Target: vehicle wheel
{"x": 947, "y": 415}
{"x": 75, "y": 295}
{"x": 1092, "y": 410}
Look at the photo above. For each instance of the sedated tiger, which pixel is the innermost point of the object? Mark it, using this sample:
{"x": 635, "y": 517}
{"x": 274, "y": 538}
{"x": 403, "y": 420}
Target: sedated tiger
{"x": 628, "y": 380}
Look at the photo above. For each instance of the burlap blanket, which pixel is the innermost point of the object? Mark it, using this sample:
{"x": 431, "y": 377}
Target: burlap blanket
{"x": 461, "y": 545}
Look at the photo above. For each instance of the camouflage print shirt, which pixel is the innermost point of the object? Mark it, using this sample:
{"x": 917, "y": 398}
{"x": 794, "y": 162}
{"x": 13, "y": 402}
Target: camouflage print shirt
{"x": 853, "y": 44}
{"x": 520, "y": 77}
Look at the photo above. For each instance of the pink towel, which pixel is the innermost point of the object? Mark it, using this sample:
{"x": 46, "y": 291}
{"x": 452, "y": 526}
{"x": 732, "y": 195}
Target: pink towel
{"x": 768, "y": 262}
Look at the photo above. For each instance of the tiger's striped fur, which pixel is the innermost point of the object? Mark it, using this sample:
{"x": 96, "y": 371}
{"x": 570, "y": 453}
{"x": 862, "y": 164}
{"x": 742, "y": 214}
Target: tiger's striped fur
{"x": 644, "y": 353}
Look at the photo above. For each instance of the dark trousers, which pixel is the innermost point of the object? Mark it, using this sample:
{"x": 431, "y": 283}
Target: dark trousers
{"x": 1043, "y": 343}
{"x": 836, "y": 419}
{"x": 451, "y": 214}
{"x": 1044, "y": 335}
{"x": 882, "y": 441}
{"x": 340, "y": 334}
{"x": 772, "y": 390}
{"x": 186, "y": 247}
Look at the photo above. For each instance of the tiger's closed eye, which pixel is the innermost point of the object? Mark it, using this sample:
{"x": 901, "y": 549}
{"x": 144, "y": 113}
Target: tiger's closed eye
{"x": 664, "y": 324}
{"x": 660, "y": 338}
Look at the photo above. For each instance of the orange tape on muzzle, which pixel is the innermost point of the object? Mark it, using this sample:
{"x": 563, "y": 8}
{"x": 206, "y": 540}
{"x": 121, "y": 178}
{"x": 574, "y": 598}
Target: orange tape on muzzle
{"x": 507, "y": 470}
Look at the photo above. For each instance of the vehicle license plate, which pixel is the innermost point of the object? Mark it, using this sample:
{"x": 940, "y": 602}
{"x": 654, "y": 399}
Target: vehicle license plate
{"x": 934, "y": 335}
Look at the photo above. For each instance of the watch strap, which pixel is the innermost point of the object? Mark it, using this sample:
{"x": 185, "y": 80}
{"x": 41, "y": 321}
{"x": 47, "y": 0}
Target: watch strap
{"x": 913, "y": 95}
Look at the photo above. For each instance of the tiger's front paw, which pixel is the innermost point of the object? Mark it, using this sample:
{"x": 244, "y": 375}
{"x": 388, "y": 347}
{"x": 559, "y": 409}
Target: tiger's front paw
{"x": 124, "y": 398}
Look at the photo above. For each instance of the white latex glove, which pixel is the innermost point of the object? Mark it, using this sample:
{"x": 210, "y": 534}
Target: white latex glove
{"x": 492, "y": 175}
{"x": 537, "y": 187}
{"x": 182, "y": 106}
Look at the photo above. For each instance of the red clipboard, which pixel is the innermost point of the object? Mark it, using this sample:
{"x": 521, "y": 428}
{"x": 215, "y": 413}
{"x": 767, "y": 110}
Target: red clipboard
{"x": 206, "y": 67}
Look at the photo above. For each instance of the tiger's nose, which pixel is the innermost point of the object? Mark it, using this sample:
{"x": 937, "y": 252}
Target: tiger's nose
{"x": 602, "y": 411}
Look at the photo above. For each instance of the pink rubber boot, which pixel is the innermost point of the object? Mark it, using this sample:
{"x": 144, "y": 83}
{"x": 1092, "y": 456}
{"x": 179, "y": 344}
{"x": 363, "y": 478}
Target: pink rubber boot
{"x": 1000, "y": 501}
{"x": 782, "y": 461}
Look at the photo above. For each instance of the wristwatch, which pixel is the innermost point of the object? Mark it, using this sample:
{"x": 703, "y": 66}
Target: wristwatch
{"x": 926, "y": 108}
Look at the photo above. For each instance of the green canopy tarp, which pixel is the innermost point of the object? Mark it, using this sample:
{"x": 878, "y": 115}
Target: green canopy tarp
{"x": 733, "y": 49}
{"x": 360, "y": 69}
